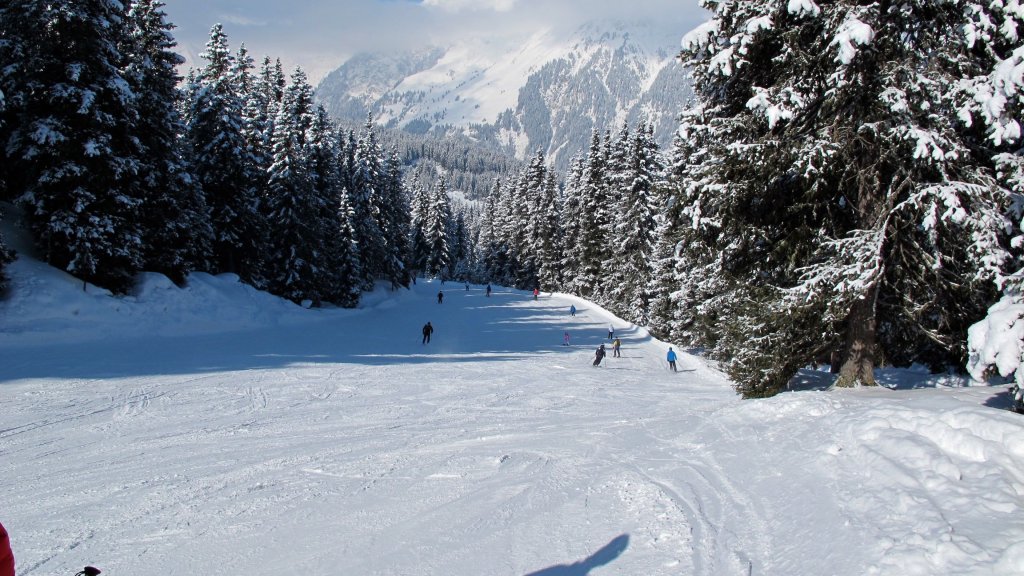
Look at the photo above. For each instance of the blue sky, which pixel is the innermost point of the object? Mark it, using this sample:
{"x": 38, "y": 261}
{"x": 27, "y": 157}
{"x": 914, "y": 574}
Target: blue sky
{"x": 320, "y": 35}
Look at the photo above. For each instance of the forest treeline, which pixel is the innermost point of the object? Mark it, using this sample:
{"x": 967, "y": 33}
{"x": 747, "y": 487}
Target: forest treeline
{"x": 847, "y": 187}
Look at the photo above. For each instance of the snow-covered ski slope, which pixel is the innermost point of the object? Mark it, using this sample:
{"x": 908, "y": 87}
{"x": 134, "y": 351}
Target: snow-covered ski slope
{"x": 218, "y": 431}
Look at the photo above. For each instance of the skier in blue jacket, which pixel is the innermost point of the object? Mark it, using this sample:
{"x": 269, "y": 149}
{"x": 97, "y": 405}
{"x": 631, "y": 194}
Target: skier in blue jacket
{"x": 672, "y": 359}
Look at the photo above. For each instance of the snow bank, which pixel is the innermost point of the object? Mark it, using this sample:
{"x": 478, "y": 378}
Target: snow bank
{"x": 46, "y": 305}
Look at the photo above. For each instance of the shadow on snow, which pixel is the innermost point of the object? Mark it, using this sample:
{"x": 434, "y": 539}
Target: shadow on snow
{"x": 602, "y": 557}
{"x": 468, "y": 327}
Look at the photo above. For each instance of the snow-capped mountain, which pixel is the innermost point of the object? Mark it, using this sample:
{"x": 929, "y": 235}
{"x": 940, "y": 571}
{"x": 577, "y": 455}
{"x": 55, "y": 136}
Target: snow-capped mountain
{"x": 547, "y": 91}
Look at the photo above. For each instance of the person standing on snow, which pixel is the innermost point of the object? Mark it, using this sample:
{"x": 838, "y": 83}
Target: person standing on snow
{"x": 440, "y": 296}
{"x": 427, "y": 331}
{"x": 611, "y": 332}
{"x": 565, "y": 339}
{"x": 615, "y": 348}
{"x": 599, "y": 355}
{"x": 488, "y": 290}
{"x": 672, "y": 359}
{"x": 572, "y": 310}
{"x": 536, "y": 292}
{"x": 6, "y": 555}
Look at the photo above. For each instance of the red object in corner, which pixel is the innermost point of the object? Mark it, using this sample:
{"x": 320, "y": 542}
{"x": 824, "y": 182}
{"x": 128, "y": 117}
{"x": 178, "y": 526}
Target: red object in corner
{"x": 6, "y": 555}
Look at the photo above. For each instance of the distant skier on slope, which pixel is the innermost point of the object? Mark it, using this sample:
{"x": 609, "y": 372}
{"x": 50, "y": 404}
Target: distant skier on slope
{"x": 427, "y": 331}
{"x": 599, "y": 355}
{"x": 572, "y": 310}
{"x": 488, "y": 290}
{"x": 565, "y": 339}
{"x": 671, "y": 359}
{"x": 615, "y": 348}
{"x": 440, "y": 297}
{"x": 611, "y": 332}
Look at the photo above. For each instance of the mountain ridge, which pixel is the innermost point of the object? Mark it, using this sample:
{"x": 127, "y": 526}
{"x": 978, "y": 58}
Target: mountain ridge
{"x": 546, "y": 92}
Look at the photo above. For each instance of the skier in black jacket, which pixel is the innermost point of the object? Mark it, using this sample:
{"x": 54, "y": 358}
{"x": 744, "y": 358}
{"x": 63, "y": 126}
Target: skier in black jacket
{"x": 427, "y": 331}
{"x": 599, "y": 356}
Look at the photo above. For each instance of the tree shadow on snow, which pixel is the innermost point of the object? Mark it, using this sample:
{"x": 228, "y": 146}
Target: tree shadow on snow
{"x": 602, "y": 557}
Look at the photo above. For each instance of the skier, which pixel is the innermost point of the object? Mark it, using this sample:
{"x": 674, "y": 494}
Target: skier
{"x": 6, "y": 555}
{"x": 440, "y": 296}
{"x": 536, "y": 291}
{"x": 611, "y": 332}
{"x": 572, "y": 310}
{"x": 672, "y": 359}
{"x": 615, "y": 348}
{"x": 427, "y": 331}
{"x": 599, "y": 355}
{"x": 565, "y": 339}
{"x": 488, "y": 290}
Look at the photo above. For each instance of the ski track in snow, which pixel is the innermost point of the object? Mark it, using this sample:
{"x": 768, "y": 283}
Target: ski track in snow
{"x": 343, "y": 445}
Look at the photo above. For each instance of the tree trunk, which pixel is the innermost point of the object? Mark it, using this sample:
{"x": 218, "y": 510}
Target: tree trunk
{"x": 858, "y": 366}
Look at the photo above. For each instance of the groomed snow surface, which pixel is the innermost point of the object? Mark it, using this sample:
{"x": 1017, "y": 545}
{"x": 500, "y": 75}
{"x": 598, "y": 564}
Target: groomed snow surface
{"x": 216, "y": 430}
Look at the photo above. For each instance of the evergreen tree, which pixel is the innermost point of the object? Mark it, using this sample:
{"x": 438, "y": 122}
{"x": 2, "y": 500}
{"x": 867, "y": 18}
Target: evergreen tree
{"x": 489, "y": 237}
{"x": 74, "y": 142}
{"x": 174, "y": 218}
{"x": 630, "y": 269}
{"x": 294, "y": 210}
{"x": 437, "y": 232}
{"x": 366, "y": 196}
{"x": 548, "y": 240}
{"x": 420, "y": 210}
{"x": 852, "y": 210}
{"x": 344, "y": 256}
{"x": 334, "y": 277}
{"x": 592, "y": 243}
{"x": 395, "y": 222}
{"x": 571, "y": 222}
{"x": 223, "y": 165}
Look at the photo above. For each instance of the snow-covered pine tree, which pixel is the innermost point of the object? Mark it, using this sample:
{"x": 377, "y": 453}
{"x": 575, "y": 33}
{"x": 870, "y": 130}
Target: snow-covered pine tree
{"x": 223, "y": 165}
{"x": 990, "y": 99}
{"x": 548, "y": 240}
{"x": 850, "y": 205}
{"x": 571, "y": 221}
{"x": 437, "y": 229}
{"x": 501, "y": 257}
{"x": 395, "y": 222}
{"x": 690, "y": 294}
{"x": 460, "y": 250}
{"x": 344, "y": 256}
{"x": 630, "y": 267}
{"x": 332, "y": 276}
{"x": 516, "y": 220}
{"x": 294, "y": 209}
{"x": 593, "y": 235}
{"x": 489, "y": 239}
{"x": 73, "y": 142}
{"x": 366, "y": 191}
{"x": 174, "y": 218}
{"x": 530, "y": 211}
{"x": 668, "y": 239}
{"x": 420, "y": 209}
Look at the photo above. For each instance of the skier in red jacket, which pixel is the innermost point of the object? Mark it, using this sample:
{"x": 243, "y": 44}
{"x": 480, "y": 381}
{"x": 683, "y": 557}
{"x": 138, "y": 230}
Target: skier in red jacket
{"x": 6, "y": 555}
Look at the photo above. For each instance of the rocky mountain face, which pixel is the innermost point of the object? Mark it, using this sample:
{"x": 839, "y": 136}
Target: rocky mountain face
{"x": 544, "y": 92}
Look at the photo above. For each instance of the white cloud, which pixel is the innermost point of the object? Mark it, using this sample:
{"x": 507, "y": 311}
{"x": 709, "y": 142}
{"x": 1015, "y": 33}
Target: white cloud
{"x": 320, "y": 35}
{"x": 473, "y": 5}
